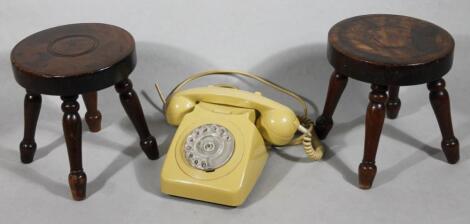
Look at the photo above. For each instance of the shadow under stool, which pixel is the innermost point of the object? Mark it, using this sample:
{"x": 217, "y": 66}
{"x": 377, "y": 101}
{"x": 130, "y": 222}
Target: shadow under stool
{"x": 73, "y": 60}
{"x": 389, "y": 51}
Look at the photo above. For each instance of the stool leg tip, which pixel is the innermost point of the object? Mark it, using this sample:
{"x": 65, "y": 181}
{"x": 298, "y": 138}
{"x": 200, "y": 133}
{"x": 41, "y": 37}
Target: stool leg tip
{"x": 77, "y": 183}
{"x": 27, "y": 151}
{"x": 392, "y": 114}
{"x": 367, "y": 173}
{"x": 451, "y": 150}
{"x": 323, "y": 126}
{"x": 393, "y": 108}
{"x": 93, "y": 121}
{"x": 150, "y": 147}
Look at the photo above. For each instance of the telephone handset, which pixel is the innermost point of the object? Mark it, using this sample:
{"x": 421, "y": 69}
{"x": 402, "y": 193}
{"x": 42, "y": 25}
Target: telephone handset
{"x": 276, "y": 122}
{"x": 219, "y": 151}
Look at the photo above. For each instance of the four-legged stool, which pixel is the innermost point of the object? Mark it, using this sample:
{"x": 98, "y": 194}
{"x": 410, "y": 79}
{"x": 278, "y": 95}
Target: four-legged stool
{"x": 389, "y": 51}
{"x": 72, "y": 60}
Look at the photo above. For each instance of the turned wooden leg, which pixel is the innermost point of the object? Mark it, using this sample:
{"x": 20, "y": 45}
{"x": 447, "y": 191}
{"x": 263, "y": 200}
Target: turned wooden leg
{"x": 93, "y": 115}
{"x": 132, "y": 106}
{"x": 440, "y": 104}
{"x": 73, "y": 138}
{"x": 374, "y": 121}
{"x": 393, "y": 102}
{"x": 336, "y": 87}
{"x": 32, "y": 107}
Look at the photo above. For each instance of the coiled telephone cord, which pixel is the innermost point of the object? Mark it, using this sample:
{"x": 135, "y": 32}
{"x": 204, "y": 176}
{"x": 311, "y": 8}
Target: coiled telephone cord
{"x": 312, "y": 145}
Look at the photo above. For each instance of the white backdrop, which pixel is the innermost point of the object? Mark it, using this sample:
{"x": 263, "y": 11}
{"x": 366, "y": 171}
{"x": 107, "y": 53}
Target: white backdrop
{"x": 285, "y": 42}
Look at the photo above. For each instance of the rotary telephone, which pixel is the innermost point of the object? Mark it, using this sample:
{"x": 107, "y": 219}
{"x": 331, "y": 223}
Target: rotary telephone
{"x": 220, "y": 146}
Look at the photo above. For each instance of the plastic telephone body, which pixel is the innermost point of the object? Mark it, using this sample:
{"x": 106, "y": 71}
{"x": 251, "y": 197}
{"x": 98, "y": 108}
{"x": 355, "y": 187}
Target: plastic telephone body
{"x": 237, "y": 111}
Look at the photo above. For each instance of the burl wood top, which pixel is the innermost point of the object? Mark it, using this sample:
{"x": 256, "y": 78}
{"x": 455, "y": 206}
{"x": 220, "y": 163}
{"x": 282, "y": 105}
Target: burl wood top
{"x": 75, "y": 58}
{"x": 390, "y": 49}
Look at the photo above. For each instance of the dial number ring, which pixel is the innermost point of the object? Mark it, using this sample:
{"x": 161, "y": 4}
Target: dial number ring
{"x": 209, "y": 147}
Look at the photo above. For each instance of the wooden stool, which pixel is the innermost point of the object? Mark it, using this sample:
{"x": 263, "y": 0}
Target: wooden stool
{"x": 389, "y": 51}
{"x": 71, "y": 60}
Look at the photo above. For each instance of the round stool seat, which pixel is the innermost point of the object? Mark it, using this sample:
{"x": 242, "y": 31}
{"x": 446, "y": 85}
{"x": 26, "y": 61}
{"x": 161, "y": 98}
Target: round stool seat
{"x": 390, "y": 49}
{"x": 74, "y": 59}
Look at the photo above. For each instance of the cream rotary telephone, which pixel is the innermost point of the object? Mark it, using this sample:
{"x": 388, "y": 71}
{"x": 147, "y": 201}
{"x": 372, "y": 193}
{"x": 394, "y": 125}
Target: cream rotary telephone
{"x": 219, "y": 149}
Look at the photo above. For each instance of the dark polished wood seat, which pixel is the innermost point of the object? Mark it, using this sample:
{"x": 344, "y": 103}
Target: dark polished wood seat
{"x": 389, "y": 51}
{"x": 72, "y": 60}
